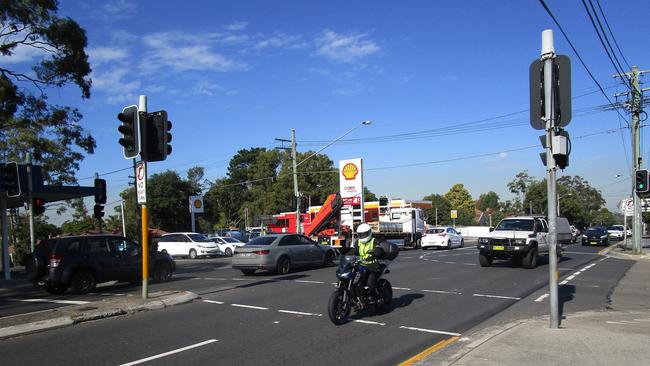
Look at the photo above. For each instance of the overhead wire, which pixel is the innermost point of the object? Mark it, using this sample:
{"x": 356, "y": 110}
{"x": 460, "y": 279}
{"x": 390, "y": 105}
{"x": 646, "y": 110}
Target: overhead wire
{"x": 612, "y": 34}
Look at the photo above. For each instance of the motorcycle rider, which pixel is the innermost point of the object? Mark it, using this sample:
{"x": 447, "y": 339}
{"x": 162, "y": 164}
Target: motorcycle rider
{"x": 365, "y": 249}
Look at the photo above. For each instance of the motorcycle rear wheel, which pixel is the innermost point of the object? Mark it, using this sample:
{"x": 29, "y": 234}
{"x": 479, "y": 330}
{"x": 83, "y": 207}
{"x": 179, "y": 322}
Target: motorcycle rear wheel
{"x": 386, "y": 295}
{"x": 337, "y": 309}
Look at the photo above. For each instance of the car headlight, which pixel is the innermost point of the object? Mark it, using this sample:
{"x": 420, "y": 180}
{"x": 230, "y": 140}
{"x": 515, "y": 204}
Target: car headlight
{"x": 519, "y": 241}
{"x": 584, "y": 236}
{"x": 483, "y": 240}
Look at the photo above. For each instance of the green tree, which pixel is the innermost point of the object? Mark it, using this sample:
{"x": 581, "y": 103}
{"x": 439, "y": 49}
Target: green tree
{"x": 440, "y": 207}
{"x": 28, "y": 123}
{"x": 167, "y": 200}
{"x": 520, "y": 186}
{"x": 368, "y": 195}
{"x": 461, "y": 201}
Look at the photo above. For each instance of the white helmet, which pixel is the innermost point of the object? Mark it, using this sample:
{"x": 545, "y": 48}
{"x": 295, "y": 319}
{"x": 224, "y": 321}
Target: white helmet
{"x": 364, "y": 233}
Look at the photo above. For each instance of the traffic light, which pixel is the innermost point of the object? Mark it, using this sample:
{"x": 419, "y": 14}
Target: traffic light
{"x": 130, "y": 130}
{"x": 158, "y": 136}
{"x": 100, "y": 191}
{"x": 98, "y": 211}
{"x": 304, "y": 204}
{"x": 38, "y": 206}
{"x": 10, "y": 179}
{"x": 641, "y": 182}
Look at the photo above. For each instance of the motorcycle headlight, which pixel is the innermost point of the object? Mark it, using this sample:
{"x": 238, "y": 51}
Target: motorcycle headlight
{"x": 344, "y": 275}
{"x": 584, "y": 236}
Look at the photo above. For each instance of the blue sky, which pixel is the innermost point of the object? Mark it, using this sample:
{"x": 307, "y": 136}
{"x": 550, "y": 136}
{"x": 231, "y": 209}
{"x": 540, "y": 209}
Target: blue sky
{"x": 235, "y": 75}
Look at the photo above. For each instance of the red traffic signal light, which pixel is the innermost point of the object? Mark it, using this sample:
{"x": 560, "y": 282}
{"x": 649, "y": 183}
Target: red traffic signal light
{"x": 38, "y": 206}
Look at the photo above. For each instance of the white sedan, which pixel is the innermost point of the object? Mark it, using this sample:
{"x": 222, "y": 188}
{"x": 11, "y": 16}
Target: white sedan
{"x": 442, "y": 237}
{"x": 227, "y": 245}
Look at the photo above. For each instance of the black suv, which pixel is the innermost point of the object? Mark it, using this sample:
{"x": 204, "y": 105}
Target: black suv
{"x": 80, "y": 262}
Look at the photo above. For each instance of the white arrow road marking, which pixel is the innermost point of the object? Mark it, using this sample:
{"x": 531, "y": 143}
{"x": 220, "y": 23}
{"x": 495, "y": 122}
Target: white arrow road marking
{"x": 170, "y": 352}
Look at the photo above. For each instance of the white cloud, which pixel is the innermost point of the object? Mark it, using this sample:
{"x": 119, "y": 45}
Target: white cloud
{"x": 101, "y": 55}
{"x": 22, "y": 54}
{"x": 503, "y": 155}
{"x": 237, "y": 26}
{"x": 116, "y": 10}
{"x": 280, "y": 40}
{"x": 116, "y": 86}
{"x": 344, "y": 48}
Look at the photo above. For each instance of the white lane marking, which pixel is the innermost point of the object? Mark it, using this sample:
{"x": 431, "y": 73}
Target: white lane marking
{"x": 242, "y": 279}
{"x": 443, "y": 292}
{"x": 571, "y": 277}
{"x": 470, "y": 264}
{"x": 628, "y": 322}
{"x": 498, "y": 297}
{"x": 451, "y": 262}
{"x": 563, "y": 282}
{"x": 367, "y": 322}
{"x": 169, "y": 353}
{"x": 642, "y": 320}
{"x": 249, "y": 307}
{"x": 539, "y": 299}
{"x": 430, "y": 331}
{"x": 298, "y": 313}
{"x": 54, "y": 301}
{"x": 582, "y": 253}
{"x": 608, "y": 322}
{"x": 214, "y": 302}
{"x": 306, "y": 281}
{"x": 401, "y": 288}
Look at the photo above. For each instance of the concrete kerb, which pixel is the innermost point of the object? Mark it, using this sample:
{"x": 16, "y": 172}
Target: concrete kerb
{"x": 100, "y": 313}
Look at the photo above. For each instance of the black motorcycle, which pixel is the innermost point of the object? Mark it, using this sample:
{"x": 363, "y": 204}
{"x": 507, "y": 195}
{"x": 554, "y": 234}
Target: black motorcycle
{"x": 350, "y": 296}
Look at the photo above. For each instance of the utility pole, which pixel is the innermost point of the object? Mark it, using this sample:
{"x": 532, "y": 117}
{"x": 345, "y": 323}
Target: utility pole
{"x": 30, "y": 201}
{"x": 123, "y": 222}
{"x": 295, "y": 180}
{"x": 636, "y": 108}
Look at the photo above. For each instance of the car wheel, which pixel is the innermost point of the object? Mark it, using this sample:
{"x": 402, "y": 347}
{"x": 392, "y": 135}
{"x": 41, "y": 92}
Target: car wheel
{"x": 56, "y": 290}
{"x": 248, "y": 272}
{"x": 162, "y": 272}
{"x": 83, "y": 281}
{"x": 484, "y": 260}
{"x": 448, "y": 244}
{"x": 193, "y": 254}
{"x": 462, "y": 243}
{"x": 284, "y": 265}
{"x": 329, "y": 259}
{"x": 530, "y": 260}
{"x": 228, "y": 252}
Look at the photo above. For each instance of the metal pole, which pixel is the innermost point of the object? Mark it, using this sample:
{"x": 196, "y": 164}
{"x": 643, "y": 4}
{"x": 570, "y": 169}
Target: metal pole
{"x": 99, "y": 219}
{"x": 30, "y": 201}
{"x": 548, "y": 54}
{"x": 625, "y": 230}
{"x": 193, "y": 223}
{"x": 295, "y": 179}
{"x": 6, "y": 266}
{"x": 436, "y": 216}
{"x": 138, "y": 232}
{"x": 123, "y": 221}
{"x": 145, "y": 221}
{"x": 636, "y": 161}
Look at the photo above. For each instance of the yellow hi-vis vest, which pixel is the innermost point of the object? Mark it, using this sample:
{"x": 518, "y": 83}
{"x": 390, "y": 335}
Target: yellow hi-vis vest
{"x": 367, "y": 253}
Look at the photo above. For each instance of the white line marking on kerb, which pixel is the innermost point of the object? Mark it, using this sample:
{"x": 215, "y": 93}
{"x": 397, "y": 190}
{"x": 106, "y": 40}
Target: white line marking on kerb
{"x": 249, "y": 307}
{"x": 539, "y": 299}
{"x": 298, "y": 313}
{"x": 169, "y": 353}
{"x": 67, "y": 302}
{"x": 430, "y": 331}
{"x": 214, "y": 302}
{"x": 306, "y": 281}
{"x": 608, "y": 322}
{"x": 498, "y": 297}
{"x": 367, "y": 322}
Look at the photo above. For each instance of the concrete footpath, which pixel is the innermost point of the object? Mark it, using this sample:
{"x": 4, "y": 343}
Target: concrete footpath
{"x": 617, "y": 335}
{"x": 17, "y": 325}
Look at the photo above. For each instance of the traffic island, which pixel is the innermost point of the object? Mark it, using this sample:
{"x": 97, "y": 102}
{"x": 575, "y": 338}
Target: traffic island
{"x": 23, "y": 324}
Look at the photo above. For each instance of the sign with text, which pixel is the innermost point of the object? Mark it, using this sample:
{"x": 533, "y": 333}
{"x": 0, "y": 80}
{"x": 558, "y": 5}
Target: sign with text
{"x": 351, "y": 187}
{"x": 141, "y": 181}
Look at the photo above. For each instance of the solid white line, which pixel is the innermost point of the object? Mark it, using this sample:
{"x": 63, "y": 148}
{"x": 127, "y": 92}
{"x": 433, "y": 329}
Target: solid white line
{"x": 214, "y": 302}
{"x": 367, "y": 322}
{"x": 443, "y": 292}
{"x": 67, "y": 302}
{"x": 249, "y": 307}
{"x": 306, "y": 281}
{"x": 608, "y": 322}
{"x": 402, "y": 288}
{"x": 498, "y": 297}
{"x": 451, "y": 262}
{"x": 242, "y": 279}
{"x": 170, "y": 352}
{"x": 642, "y": 320}
{"x": 539, "y": 299}
{"x": 470, "y": 264}
{"x": 298, "y": 313}
{"x": 430, "y": 331}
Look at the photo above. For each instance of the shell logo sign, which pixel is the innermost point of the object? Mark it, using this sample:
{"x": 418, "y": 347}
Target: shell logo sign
{"x": 350, "y": 171}
{"x": 196, "y": 204}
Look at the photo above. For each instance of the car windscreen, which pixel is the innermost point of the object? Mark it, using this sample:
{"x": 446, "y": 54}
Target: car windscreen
{"x": 615, "y": 228}
{"x": 435, "y": 231}
{"x": 516, "y": 225}
{"x": 199, "y": 238}
{"x": 262, "y": 240}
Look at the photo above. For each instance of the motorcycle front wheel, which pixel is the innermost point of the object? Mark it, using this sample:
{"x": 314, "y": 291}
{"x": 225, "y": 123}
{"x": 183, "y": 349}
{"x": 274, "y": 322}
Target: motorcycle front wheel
{"x": 337, "y": 309}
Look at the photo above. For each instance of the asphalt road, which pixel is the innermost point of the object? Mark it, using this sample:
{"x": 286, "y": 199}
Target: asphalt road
{"x": 270, "y": 319}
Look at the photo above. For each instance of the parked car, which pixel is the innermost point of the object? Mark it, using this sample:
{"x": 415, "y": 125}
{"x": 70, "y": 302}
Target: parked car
{"x": 442, "y": 237}
{"x": 237, "y": 234}
{"x": 595, "y": 236}
{"x": 227, "y": 245}
{"x": 81, "y": 262}
{"x": 281, "y": 253}
{"x": 191, "y": 245}
{"x": 616, "y": 231}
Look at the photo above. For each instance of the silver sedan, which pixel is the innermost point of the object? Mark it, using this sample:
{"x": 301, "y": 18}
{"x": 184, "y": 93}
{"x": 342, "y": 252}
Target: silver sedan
{"x": 281, "y": 253}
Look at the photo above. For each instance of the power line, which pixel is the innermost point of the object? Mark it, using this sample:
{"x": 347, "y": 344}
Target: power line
{"x": 577, "y": 54}
{"x": 612, "y": 34}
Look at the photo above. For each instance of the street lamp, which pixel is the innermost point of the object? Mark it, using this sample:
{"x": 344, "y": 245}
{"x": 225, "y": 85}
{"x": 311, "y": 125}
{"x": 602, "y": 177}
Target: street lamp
{"x": 295, "y": 166}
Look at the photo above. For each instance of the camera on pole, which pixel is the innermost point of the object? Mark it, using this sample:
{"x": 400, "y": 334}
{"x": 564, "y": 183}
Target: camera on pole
{"x": 130, "y": 130}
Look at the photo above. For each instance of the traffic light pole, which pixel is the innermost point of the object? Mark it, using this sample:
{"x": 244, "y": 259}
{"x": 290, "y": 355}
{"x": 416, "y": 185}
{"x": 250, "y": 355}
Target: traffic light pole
{"x": 637, "y": 220}
{"x": 295, "y": 179}
{"x": 30, "y": 201}
{"x": 5, "y": 238}
{"x": 145, "y": 220}
{"x": 548, "y": 54}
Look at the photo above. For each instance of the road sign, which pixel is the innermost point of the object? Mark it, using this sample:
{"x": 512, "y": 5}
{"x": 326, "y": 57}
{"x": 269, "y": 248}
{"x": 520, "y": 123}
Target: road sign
{"x": 645, "y": 205}
{"x": 141, "y": 181}
{"x": 454, "y": 214}
{"x": 562, "y": 90}
{"x": 626, "y": 206}
{"x": 196, "y": 204}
